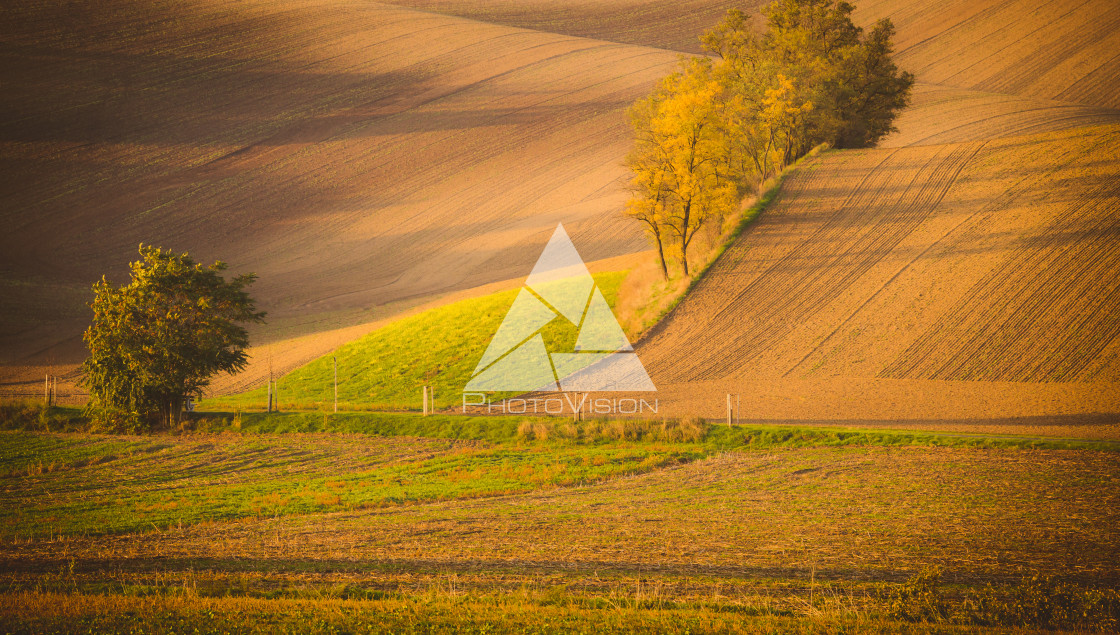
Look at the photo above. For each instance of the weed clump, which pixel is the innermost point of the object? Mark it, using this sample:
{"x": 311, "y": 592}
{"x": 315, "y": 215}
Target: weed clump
{"x": 533, "y": 431}
{"x": 919, "y": 599}
{"x": 1037, "y": 602}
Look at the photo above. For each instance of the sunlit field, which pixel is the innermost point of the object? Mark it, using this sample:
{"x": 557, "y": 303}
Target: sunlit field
{"x": 402, "y": 522}
{"x": 865, "y": 253}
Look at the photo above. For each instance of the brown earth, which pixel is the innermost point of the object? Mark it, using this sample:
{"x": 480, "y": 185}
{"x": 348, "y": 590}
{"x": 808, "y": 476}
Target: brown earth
{"x": 956, "y": 280}
{"x": 369, "y": 159}
{"x": 1054, "y": 49}
{"x": 360, "y": 158}
{"x": 668, "y": 24}
{"x": 942, "y": 114}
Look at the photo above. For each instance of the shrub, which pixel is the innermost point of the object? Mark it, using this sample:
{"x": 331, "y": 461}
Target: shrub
{"x": 919, "y": 599}
{"x": 1043, "y": 602}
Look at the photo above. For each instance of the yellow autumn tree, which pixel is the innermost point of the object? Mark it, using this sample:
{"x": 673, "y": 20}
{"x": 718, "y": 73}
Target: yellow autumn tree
{"x": 717, "y": 129}
{"x": 681, "y": 179}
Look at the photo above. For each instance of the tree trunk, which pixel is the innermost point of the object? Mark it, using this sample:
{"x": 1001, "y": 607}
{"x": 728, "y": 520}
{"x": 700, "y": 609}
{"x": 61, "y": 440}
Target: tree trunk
{"x": 173, "y": 409}
{"x": 684, "y": 237}
{"x": 661, "y": 258}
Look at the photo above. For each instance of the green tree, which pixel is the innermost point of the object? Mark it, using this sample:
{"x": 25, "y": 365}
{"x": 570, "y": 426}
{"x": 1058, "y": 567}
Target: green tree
{"x": 871, "y": 90}
{"x": 158, "y": 339}
{"x": 849, "y": 77}
{"x": 854, "y": 88}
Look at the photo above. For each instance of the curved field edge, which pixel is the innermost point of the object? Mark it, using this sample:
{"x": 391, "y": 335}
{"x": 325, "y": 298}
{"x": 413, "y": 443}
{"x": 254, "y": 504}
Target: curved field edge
{"x": 358, "y": 157}
{"x": 657, "y": 301}
{"x": 837, "y": 293}
{"x": 387, "y": 368}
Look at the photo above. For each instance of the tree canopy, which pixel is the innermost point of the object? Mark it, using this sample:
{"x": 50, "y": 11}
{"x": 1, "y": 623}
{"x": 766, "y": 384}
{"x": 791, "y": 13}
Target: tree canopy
{"x": 160, "y": 338}
{"x": 719, "y": 128}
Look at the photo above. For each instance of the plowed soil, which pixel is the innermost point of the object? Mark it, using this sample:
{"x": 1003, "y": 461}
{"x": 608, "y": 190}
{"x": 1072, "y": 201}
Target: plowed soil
{"x": 366, "y": 159}
{"x": 356, "y": 157}
{"x": 956, "y": 280}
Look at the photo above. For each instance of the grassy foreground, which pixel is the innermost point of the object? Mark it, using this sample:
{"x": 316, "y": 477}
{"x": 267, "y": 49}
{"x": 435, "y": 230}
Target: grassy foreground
{"x": 258, "y": 465}
{"x": 371, "y": 522}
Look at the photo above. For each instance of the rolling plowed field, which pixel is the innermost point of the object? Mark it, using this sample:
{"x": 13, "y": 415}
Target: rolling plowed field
{"x": 1053, "y": 49}
{"x": 668, "y": 24}
{"x": 354, "y": 156}
{"x": 940, "y": 114}
{"x": 368, "y": 158}
{"x": 915, "y": 268}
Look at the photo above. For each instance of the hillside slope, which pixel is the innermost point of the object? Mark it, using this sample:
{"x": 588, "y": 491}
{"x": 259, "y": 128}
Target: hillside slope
{"x": 355, "y": 156}
{"x": 940, "y": 114}
{"x": 367, "y": 158}
{"x": 670, "y": 24}
{"x": 983, "y": 262}
{"x": 1067, "y": 51}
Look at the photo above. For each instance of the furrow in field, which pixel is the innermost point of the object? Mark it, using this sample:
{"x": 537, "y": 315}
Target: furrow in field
{"x": 1044, "y": 315}
{"x": 941, "y": 114}
{"x": 903, "y": 273}
{"x": 1049, "y": 50}
{"x": 674, "y": 25}
{"x": 887, "y": 204}
{"x": 356, "y": 157}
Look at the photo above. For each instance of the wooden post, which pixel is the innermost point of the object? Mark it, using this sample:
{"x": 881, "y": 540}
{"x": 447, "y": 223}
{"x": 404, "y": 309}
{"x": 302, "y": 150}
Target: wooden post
{"x": 335, "y": 358}
{"x": 270, "y": 393}
{"x": 54, "y": 389}
{"x": 47, "y": 390}
{"x": 425, "y": 401}
{"x": 728, "y": 410}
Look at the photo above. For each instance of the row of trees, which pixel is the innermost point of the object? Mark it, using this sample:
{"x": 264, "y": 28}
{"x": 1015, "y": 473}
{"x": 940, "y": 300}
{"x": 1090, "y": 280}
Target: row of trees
{"x": 719, "y": 127}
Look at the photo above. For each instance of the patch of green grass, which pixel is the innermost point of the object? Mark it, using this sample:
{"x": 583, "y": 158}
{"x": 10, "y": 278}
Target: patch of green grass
{"x": 117, "y": 484}
{"x": 282, "y": 464}
{"x": 386, "y": 369}
{"x": 35, "y": 415}
{"x": 564, "y": 431}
